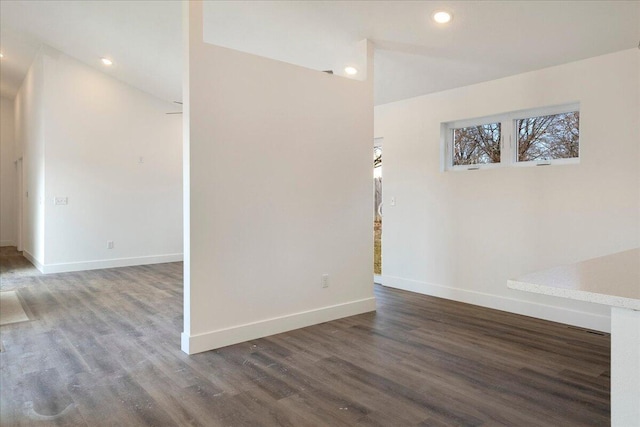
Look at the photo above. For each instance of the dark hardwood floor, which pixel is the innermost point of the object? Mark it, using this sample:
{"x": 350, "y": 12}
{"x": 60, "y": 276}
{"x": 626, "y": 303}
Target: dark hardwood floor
{"x": 102, "y": 348}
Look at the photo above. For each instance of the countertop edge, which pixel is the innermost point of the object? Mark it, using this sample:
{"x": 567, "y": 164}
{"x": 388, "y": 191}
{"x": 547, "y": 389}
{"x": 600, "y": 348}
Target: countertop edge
{"x": 610, "y": 300}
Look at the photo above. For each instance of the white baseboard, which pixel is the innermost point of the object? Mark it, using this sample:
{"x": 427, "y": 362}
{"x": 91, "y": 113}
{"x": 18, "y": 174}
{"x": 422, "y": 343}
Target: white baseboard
{"x": 250, "y": 331}
{"x": 581, "y": 319}
{"x": 109, "y": 263}
{"x": 37, "y": 264}
{"x": 7, "y": 243}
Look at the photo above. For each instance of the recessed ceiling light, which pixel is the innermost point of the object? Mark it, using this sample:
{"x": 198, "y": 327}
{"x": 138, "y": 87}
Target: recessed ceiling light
{"x": 351, "y": 71}
{"x": 1, "y": 55}
{"x": 442, "y": 17}
{"x": 106, "y": 61}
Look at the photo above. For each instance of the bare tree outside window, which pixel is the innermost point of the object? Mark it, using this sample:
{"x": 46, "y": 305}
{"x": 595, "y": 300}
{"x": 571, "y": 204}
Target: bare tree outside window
{"x": 377, "y": 210}
{"x": 476, "y": 144}
{"x": 548, "y": 137}
{"x": 537, "y": 136}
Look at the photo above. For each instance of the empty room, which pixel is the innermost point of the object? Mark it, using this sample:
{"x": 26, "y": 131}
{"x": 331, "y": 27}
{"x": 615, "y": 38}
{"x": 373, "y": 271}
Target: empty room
{"x": 320, "y": 213}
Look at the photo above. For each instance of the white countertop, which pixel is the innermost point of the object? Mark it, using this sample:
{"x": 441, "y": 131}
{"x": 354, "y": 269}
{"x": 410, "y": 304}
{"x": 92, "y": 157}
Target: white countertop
{"x": 613, "y": 280}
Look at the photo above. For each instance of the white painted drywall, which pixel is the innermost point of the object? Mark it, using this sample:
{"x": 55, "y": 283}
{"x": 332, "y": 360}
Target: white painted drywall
{"x": 29, "y": 136}
{"x": 8, "y": 175}
{"x": 111, "y": 150}
{"x": 280, "y": 172}
{"x": 625, "y": 366}
{"x": 117, "y": 156}
{"x": 461, "y": 235}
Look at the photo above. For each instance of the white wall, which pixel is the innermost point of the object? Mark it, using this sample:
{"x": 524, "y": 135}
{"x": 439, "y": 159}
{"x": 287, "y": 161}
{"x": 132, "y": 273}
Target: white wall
{"x": 96, "y": 129}
{"x": 8, "y": 175}
{"x": 461, "y": 235}
{"x": 29, "y": 138}
{"x": 280, "y": 193}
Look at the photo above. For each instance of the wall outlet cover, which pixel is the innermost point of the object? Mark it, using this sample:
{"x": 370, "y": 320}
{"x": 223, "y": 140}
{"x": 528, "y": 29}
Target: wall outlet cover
{"x": 325, "y": 280}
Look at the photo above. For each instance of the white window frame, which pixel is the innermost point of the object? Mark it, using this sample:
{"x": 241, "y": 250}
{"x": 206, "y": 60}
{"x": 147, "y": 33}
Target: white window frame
{"x": 508, "y": 151}
{"x": 447, "y": 134}
{"x": 537, "y": 112}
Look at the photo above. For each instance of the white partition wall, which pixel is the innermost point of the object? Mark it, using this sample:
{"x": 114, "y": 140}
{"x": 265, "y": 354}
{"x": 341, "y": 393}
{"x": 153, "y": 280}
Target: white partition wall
{"x": 29, "y": 145}
{"x": 278, "y": 158}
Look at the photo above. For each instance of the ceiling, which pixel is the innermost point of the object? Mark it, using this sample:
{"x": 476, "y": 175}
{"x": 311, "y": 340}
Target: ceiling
{"x": 413, "y": 55}
{"x": 144, "y": 38}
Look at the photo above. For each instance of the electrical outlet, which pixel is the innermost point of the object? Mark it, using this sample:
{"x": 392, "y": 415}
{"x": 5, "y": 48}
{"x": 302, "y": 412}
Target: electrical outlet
{"x": 325, "y": 280}
{"x": 110, "y": 244}
{"x": 60, "y": 200}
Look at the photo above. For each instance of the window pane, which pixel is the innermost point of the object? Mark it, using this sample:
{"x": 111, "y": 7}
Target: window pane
{"x": 548, "y": 137}
{"x": 476, "y": 144}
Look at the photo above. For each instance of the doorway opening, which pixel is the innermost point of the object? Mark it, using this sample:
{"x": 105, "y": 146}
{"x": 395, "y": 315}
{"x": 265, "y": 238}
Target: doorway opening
{"x": 377, "y": 207}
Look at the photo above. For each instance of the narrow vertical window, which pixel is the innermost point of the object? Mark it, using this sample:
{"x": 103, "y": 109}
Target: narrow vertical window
{"x": 377, "y": 209}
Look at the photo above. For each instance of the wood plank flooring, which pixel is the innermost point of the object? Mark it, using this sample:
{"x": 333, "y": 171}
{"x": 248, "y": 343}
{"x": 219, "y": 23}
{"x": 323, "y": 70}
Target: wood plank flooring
{"x": 103, "y": 350}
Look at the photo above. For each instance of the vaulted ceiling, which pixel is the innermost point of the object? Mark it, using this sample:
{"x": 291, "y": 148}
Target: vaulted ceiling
{"x": 413, "y": 54}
